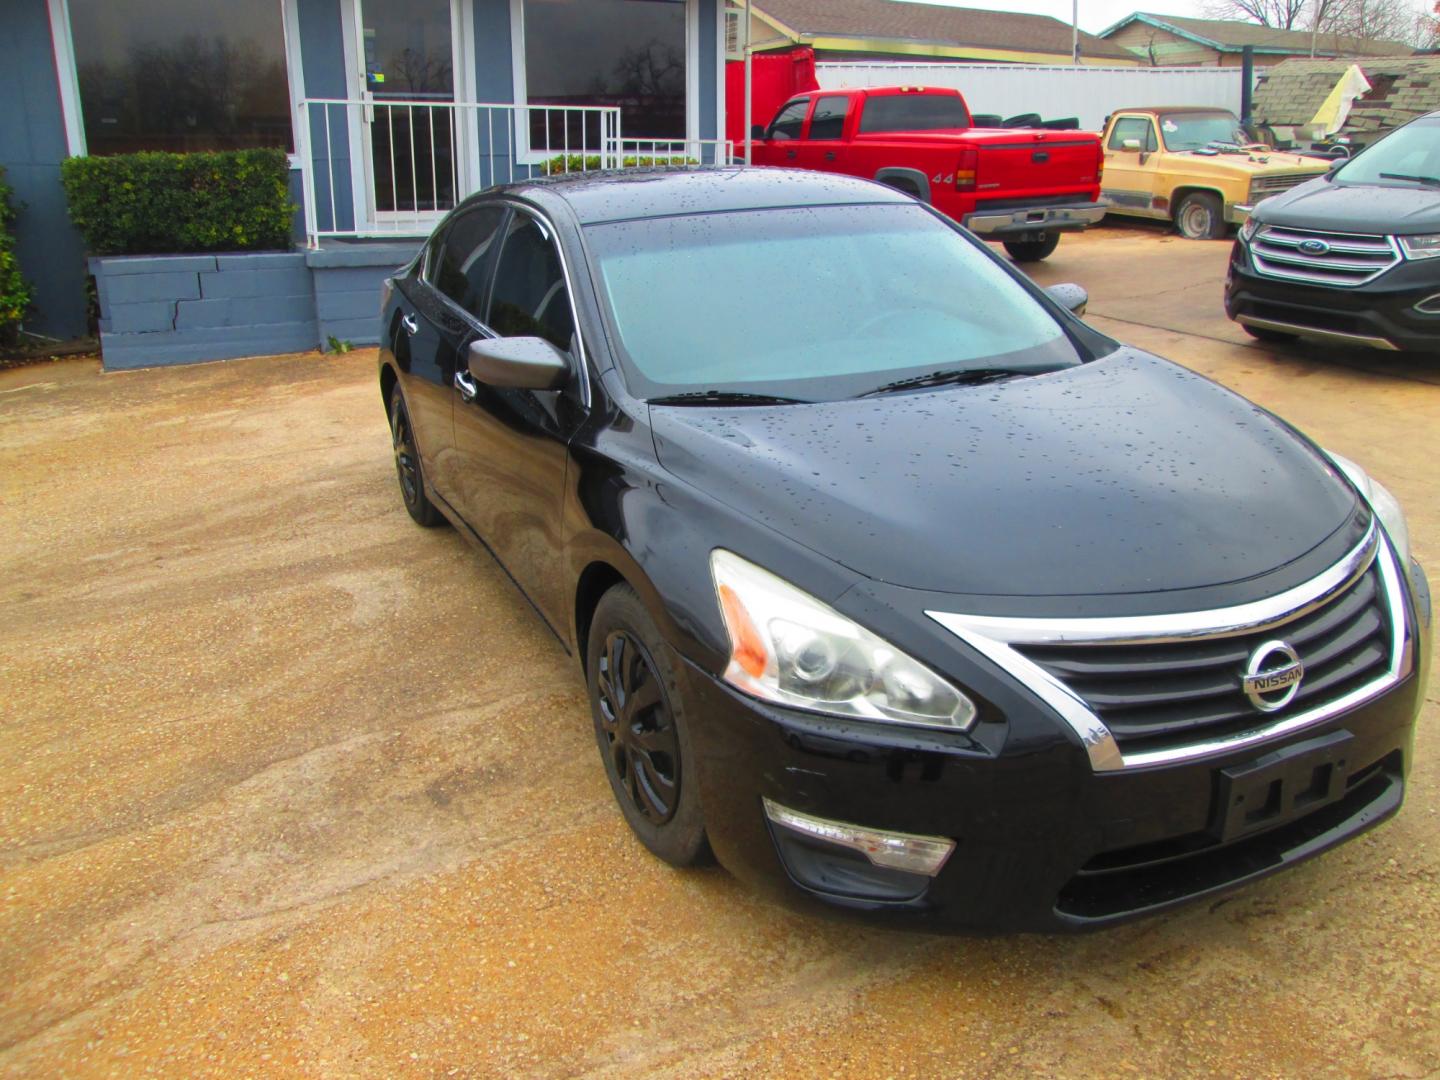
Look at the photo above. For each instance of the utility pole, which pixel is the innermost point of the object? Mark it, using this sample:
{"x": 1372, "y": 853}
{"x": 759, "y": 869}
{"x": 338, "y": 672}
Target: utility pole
{"x": 749, "y": 83}
{"x": 1074, "y": 31}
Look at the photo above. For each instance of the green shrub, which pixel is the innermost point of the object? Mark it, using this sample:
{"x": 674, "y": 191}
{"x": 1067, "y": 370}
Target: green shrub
{"x": 161, "y": 203}
{"x": 562, "y": 163}
{"x": 15, "y": 292}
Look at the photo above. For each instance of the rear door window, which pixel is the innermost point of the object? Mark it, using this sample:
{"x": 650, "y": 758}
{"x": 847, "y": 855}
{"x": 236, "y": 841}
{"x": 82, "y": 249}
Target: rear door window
{"x": 913, "y": 112}
{"x": 459, "y": 264}
{"x": 828, "y": 120}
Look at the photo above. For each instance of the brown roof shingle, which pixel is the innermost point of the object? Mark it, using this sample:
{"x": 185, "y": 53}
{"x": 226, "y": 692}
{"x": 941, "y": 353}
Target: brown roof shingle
{"x": 935, "y": 24}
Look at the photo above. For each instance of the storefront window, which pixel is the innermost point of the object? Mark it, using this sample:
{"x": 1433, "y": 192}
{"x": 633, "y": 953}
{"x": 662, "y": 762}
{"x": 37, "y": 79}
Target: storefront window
{"x": 625, "y": 53}
{"x": 181, "y": 75}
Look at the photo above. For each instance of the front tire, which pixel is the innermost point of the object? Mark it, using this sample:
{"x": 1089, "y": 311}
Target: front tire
{"x": 1027, "y": 251}
{"x": 642, "y": 730}
{"x": 407, "y": 465}
{"x": 1199, "y": 216}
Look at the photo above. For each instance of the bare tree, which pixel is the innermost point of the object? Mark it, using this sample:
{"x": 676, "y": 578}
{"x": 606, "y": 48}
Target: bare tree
{"x": 1369, "y": 20}
{"x": 1280, "y": 14}
{"x": 1333, "y": 20}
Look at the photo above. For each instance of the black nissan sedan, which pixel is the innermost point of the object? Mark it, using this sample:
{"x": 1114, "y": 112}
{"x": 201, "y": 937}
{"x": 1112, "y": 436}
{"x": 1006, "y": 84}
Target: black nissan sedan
{"x": 896, "y": 586}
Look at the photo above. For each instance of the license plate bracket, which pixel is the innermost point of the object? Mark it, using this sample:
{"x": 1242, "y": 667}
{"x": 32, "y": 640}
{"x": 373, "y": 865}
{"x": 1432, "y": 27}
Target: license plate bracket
{"x": 1280, "y": 786}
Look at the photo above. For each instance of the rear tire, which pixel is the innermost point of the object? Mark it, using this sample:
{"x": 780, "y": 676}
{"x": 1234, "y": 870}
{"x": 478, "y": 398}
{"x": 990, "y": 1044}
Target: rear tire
{"x": 1262, "y": 333}
{"x": 1027, "y": 251}
{"x": 1199, "y": 216}
{"x": 642, "y": 730}
{"x": 408, "y": 469}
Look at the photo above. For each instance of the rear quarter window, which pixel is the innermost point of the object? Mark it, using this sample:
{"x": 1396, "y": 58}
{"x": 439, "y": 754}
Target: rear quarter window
{"x": 913, "y": 112}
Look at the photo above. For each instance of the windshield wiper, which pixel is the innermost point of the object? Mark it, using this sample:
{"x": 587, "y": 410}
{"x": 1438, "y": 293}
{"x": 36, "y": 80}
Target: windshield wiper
{"x": 956, "y": 377}
{"x": 723, "y": 397}
{"x": 1429, "y": 181}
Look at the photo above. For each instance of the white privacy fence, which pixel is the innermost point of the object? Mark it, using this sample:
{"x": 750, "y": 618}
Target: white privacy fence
{"x": 376, "y": 167}
{"x": 1089, "y": 93}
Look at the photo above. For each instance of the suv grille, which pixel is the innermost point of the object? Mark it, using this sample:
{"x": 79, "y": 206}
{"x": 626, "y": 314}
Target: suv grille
{"x": 1156, "y": 695}
{"x": 1343, "y": 259}
{"x": 1261, "y": 186}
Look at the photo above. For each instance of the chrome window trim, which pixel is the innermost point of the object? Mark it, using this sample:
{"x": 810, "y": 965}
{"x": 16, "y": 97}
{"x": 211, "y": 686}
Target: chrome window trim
{"x": 996, "y": 638}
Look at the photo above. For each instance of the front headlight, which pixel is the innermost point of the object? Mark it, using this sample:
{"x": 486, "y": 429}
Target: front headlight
{"x": 789, "y": 648}
{"x": 1421, "y": 247}
{"x": 1247, "y": 229}
{"x": 1385, "y": 505}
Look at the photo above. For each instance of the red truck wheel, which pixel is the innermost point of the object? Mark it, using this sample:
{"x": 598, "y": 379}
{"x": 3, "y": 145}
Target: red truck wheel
{"x": 1024, "y": 251}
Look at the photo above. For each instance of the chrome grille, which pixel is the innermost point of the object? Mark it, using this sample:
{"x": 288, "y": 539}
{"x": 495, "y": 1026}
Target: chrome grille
{"x": 1152, "y": 695}
{"x": 1346, "y": 260}
{"x": 1261, "y": 186}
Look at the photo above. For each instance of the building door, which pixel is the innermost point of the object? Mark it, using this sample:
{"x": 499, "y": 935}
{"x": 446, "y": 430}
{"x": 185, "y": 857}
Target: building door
{"x": 411, "y": 130}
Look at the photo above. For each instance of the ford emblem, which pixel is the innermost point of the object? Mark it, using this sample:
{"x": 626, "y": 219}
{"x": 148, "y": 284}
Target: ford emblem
{"x": 1314, "y": 247}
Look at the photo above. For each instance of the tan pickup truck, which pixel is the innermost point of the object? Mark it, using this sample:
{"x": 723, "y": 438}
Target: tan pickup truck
{"x": 1193, "y": 166}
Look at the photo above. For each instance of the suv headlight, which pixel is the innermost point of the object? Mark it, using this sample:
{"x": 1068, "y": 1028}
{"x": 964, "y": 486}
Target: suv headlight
{"x": 1247, "y": 229}
{"x": 1385, "y": 505}
{"x": 1421, "y": 247}
{"x": 789, "y": 648}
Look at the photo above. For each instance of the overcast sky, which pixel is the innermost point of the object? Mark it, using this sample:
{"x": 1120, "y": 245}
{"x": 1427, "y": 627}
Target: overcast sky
{"x": 1095, "y": 15}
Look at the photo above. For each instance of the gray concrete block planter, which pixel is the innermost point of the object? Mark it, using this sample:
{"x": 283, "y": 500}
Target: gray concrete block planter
{"x": 184, "y": 309}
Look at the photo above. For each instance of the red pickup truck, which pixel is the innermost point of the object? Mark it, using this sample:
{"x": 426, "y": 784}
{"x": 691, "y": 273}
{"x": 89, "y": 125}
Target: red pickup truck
{"x": 1020, "y": 186}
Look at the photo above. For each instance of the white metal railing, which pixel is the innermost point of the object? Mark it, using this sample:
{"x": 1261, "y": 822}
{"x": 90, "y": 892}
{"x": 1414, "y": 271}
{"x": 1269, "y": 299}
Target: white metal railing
{"x": 395, "y": 167}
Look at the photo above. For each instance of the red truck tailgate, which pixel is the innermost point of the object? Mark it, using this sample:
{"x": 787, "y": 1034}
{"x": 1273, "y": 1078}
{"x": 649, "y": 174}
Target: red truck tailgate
{"x": 1021, "y": 162}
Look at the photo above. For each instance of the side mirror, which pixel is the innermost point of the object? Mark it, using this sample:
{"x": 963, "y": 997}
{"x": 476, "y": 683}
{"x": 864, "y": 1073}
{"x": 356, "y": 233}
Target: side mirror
{"x": 757, "y": 131}
{"x": 523, "y": 363}
{"x": 1130, "y": 145}
{"x": 1070, "y": 296}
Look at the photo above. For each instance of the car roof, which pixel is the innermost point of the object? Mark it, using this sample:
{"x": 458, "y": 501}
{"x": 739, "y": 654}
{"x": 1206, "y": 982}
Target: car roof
{"x": 1156, "y": 110}
{"x": 627, "y": 194}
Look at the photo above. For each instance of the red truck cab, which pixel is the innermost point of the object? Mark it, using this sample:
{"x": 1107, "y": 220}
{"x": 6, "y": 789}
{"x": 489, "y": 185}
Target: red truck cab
{"x": 1020, "y": 186}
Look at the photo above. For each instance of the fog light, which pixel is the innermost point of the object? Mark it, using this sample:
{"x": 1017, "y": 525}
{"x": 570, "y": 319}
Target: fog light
{"x": 891, "y": 850}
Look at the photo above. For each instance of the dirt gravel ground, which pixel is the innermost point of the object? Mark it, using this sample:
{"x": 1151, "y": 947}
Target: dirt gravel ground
{"x": 290, "y": 787}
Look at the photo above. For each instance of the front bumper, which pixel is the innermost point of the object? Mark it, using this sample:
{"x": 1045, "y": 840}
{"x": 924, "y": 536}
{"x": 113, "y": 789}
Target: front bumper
{"x": 1029, "y": 222}
{"x": 1042, "y": 842}
{"x": 1380, "y": 314}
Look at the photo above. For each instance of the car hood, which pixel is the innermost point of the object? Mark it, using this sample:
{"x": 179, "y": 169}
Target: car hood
{"x": 1126, "y": 475}
{"x": 1266, "y": 164}
{"x": 1362, "y": 208}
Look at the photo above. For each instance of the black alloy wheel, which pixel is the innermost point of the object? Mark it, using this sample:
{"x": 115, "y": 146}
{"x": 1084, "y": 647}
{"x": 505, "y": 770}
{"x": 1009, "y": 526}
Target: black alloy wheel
{"x": 638, "y": 728}
{"x": 638, "y": 707}
{"x": 407, "y": 464}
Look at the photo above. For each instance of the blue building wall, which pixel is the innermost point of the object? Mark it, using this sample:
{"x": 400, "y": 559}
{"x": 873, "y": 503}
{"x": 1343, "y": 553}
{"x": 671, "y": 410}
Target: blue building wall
{"x": 32, "y": 145}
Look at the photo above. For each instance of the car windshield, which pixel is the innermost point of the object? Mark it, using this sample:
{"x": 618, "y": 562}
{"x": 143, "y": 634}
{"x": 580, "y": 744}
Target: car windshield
{"x": 1195, "y": 131}
{"x": 1408, "y": 157}
{"x": 813, "y": 303}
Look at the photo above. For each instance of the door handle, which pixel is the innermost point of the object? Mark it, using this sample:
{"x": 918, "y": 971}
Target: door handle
{"x": 466, "y": 385}
{"x": 411, "y": 325}
{"x": 829, "y": 155}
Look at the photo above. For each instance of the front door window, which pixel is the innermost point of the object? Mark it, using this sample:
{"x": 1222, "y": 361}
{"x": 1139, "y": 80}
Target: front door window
{"x": 410, "y": 77}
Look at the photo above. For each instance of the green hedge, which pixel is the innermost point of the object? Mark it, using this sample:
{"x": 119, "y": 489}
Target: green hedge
{"x": 161, "y": 204}
{"x": 15, "y": 293}
{"x": 562, "y": 163}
